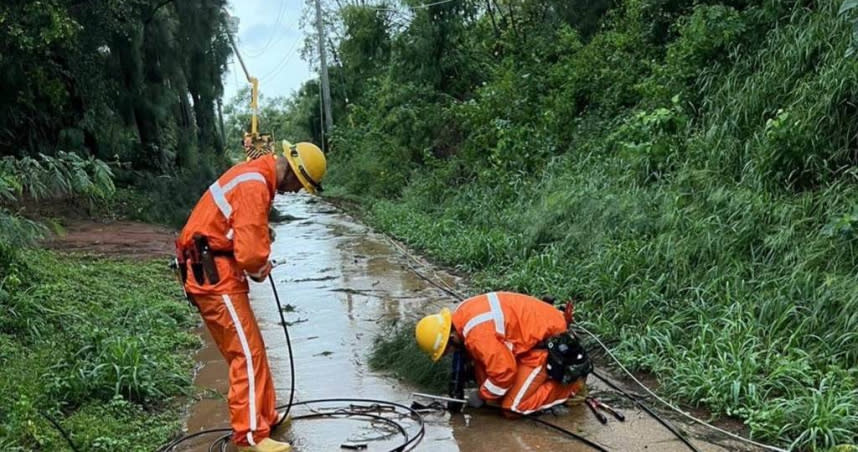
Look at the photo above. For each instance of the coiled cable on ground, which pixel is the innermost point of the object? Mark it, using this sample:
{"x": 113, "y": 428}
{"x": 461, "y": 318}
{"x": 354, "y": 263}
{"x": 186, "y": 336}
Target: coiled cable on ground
{"x": 409, "y": 441}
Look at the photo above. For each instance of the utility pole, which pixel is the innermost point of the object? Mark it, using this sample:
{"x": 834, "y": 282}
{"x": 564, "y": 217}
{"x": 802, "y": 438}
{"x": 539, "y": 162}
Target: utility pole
{"x": 323, "y": 73}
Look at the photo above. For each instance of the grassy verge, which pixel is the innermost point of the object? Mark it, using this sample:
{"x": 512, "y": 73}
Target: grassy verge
{"x": 102, "y": 346}
{"x": 397, "y": 353}
{"x": 736, "y": 300}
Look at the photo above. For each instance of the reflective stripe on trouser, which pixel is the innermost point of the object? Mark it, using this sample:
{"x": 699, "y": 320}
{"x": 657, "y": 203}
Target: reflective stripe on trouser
{"x": 533, "y": 390}
{"x": 252, "y": 405}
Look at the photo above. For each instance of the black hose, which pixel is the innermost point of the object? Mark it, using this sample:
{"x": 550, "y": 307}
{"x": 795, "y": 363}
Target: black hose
{"x": 289, "y": 347}
{"x": 648, "y": 410}
{"x": 222, "y": 441}
{"x": 62, "y": 431}
{"x": 567, "y": 432}
{"x": 410, "y": 441}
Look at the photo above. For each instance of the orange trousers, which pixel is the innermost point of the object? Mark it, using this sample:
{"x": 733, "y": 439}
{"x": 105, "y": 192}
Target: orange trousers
{"x": 252, "y": 406}
{"x": 533, "y": 390}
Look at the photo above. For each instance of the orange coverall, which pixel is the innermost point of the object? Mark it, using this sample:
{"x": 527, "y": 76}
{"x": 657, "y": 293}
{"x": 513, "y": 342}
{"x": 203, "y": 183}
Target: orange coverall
{"x": 233, "y": 215}
{"x": 500, "y": 331}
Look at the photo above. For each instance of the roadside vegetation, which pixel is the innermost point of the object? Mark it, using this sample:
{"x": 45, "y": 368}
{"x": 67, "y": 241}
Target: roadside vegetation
{"x": 102, "y": 347}
{"x": 396, "y": 352}
{"x": 685, "y": 169}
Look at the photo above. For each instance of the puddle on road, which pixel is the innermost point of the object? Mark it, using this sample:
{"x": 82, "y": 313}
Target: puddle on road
{"x": 348, "y": 283}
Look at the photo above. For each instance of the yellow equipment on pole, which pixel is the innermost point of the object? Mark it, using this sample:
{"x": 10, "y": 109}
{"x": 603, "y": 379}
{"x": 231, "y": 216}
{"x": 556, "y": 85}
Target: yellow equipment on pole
{"x": 255, "y": 144}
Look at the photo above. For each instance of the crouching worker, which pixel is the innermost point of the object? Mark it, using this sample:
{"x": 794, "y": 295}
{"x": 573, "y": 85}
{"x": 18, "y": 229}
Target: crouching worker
{"x": 225, "y": 241}
{"x": 525, "y": 359}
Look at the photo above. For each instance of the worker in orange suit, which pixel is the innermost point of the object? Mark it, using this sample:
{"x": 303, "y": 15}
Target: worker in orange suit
{"x": 225, "y": 241}
{"x": 525, "y": 358}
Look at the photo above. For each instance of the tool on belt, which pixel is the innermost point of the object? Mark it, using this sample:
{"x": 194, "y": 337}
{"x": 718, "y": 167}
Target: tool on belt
{"x": 201, "y": 260}
{"x": 462, "y": 373}
{"x": 568, "y": 361}
{"x": 567, "y": 358}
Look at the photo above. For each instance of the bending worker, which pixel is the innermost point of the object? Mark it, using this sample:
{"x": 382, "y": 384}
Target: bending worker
{"x": 524, "y": 357}
{"x": 225, "y": 241}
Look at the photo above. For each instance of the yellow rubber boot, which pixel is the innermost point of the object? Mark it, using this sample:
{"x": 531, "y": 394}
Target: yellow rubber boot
{"x": 267, "y": 445}
{"x": 283, "y": 422}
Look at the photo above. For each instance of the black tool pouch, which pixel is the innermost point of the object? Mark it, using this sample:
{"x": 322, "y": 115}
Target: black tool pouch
{"x": 196, "y": 266}
{"x": 205, "y": 264}
{"x": 567, "y": 359}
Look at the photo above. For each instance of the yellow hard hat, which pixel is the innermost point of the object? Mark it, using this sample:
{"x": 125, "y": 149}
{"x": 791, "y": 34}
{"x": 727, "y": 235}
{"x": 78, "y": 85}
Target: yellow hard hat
{"x": 433, "y": 333}
{"x": 308, "y": 163}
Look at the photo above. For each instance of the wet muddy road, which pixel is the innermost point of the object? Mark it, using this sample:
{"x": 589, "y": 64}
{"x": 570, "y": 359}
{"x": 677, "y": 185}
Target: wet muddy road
{"x": 341, "y": 284}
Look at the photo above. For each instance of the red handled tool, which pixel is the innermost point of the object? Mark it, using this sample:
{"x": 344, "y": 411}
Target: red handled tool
{"x": 596, "y": 404}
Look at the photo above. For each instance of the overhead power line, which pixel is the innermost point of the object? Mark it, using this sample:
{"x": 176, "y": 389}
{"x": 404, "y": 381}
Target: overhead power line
{"x": 283, "y": 64}
{"x": 270, "y": 41}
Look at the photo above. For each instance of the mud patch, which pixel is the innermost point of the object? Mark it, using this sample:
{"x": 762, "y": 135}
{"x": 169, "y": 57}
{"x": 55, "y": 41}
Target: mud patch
{"x": 127, "y": 239}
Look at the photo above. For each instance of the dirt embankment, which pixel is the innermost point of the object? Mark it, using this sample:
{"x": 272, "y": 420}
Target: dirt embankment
{"x": 127, "y": 239}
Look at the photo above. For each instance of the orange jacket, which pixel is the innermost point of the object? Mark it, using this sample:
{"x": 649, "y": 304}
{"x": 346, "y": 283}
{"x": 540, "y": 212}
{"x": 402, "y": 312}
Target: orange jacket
{"x": 233, "y": 214}
{"x": 499, "y": 330}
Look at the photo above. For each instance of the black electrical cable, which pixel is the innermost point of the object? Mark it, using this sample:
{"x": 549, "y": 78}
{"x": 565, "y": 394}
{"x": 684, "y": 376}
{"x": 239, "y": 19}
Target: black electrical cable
{"x": 289, "y": 347}
{"x": 644, "y": 407}
{"x": 412, "y": 412}
{"x": 62, "y": 432}
{"x": 567, "y": 432}
{"x": 410, "y": 441}
{"x": 222, "y": 441}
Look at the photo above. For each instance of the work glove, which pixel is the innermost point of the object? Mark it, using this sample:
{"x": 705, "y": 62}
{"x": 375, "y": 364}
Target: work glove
{"x": 475, "y": 401}
{"x": 262, "y": 273}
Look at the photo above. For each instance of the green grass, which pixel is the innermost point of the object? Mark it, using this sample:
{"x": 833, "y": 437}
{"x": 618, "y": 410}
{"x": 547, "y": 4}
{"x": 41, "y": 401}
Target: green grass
{"x": 102, "y": 346}
{"x": 397, "y": 353}
{"x": 738, "y": 301}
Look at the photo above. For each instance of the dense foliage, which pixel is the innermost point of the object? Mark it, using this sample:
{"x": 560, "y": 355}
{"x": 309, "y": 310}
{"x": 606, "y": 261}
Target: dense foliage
{"x": 99, "y": 346}
{"x": 136, "y": 83}
{"x": 686, "y": 168}
{"x": 104, "y": 105}
{"x": 131, "y": 80}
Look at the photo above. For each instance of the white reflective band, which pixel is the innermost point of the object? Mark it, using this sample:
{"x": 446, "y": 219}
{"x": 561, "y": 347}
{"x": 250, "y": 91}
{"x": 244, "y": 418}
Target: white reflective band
{"x": 248, "y": 358}
{"x": 219, "y": 198}
{"x": 494, "y": 389}
{"x": 482, "y": 318}
{"x": 243, "y": 178}
{"x": 545, "y": 407}
{"x": 497, "y": 313}
{"x": 524, "y": 388}
{"x": 219, "y": 193}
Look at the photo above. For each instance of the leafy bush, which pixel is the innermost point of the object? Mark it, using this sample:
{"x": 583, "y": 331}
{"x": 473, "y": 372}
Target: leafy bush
{"x": 101, "y": 345}
{"x": 66, "y": 177}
